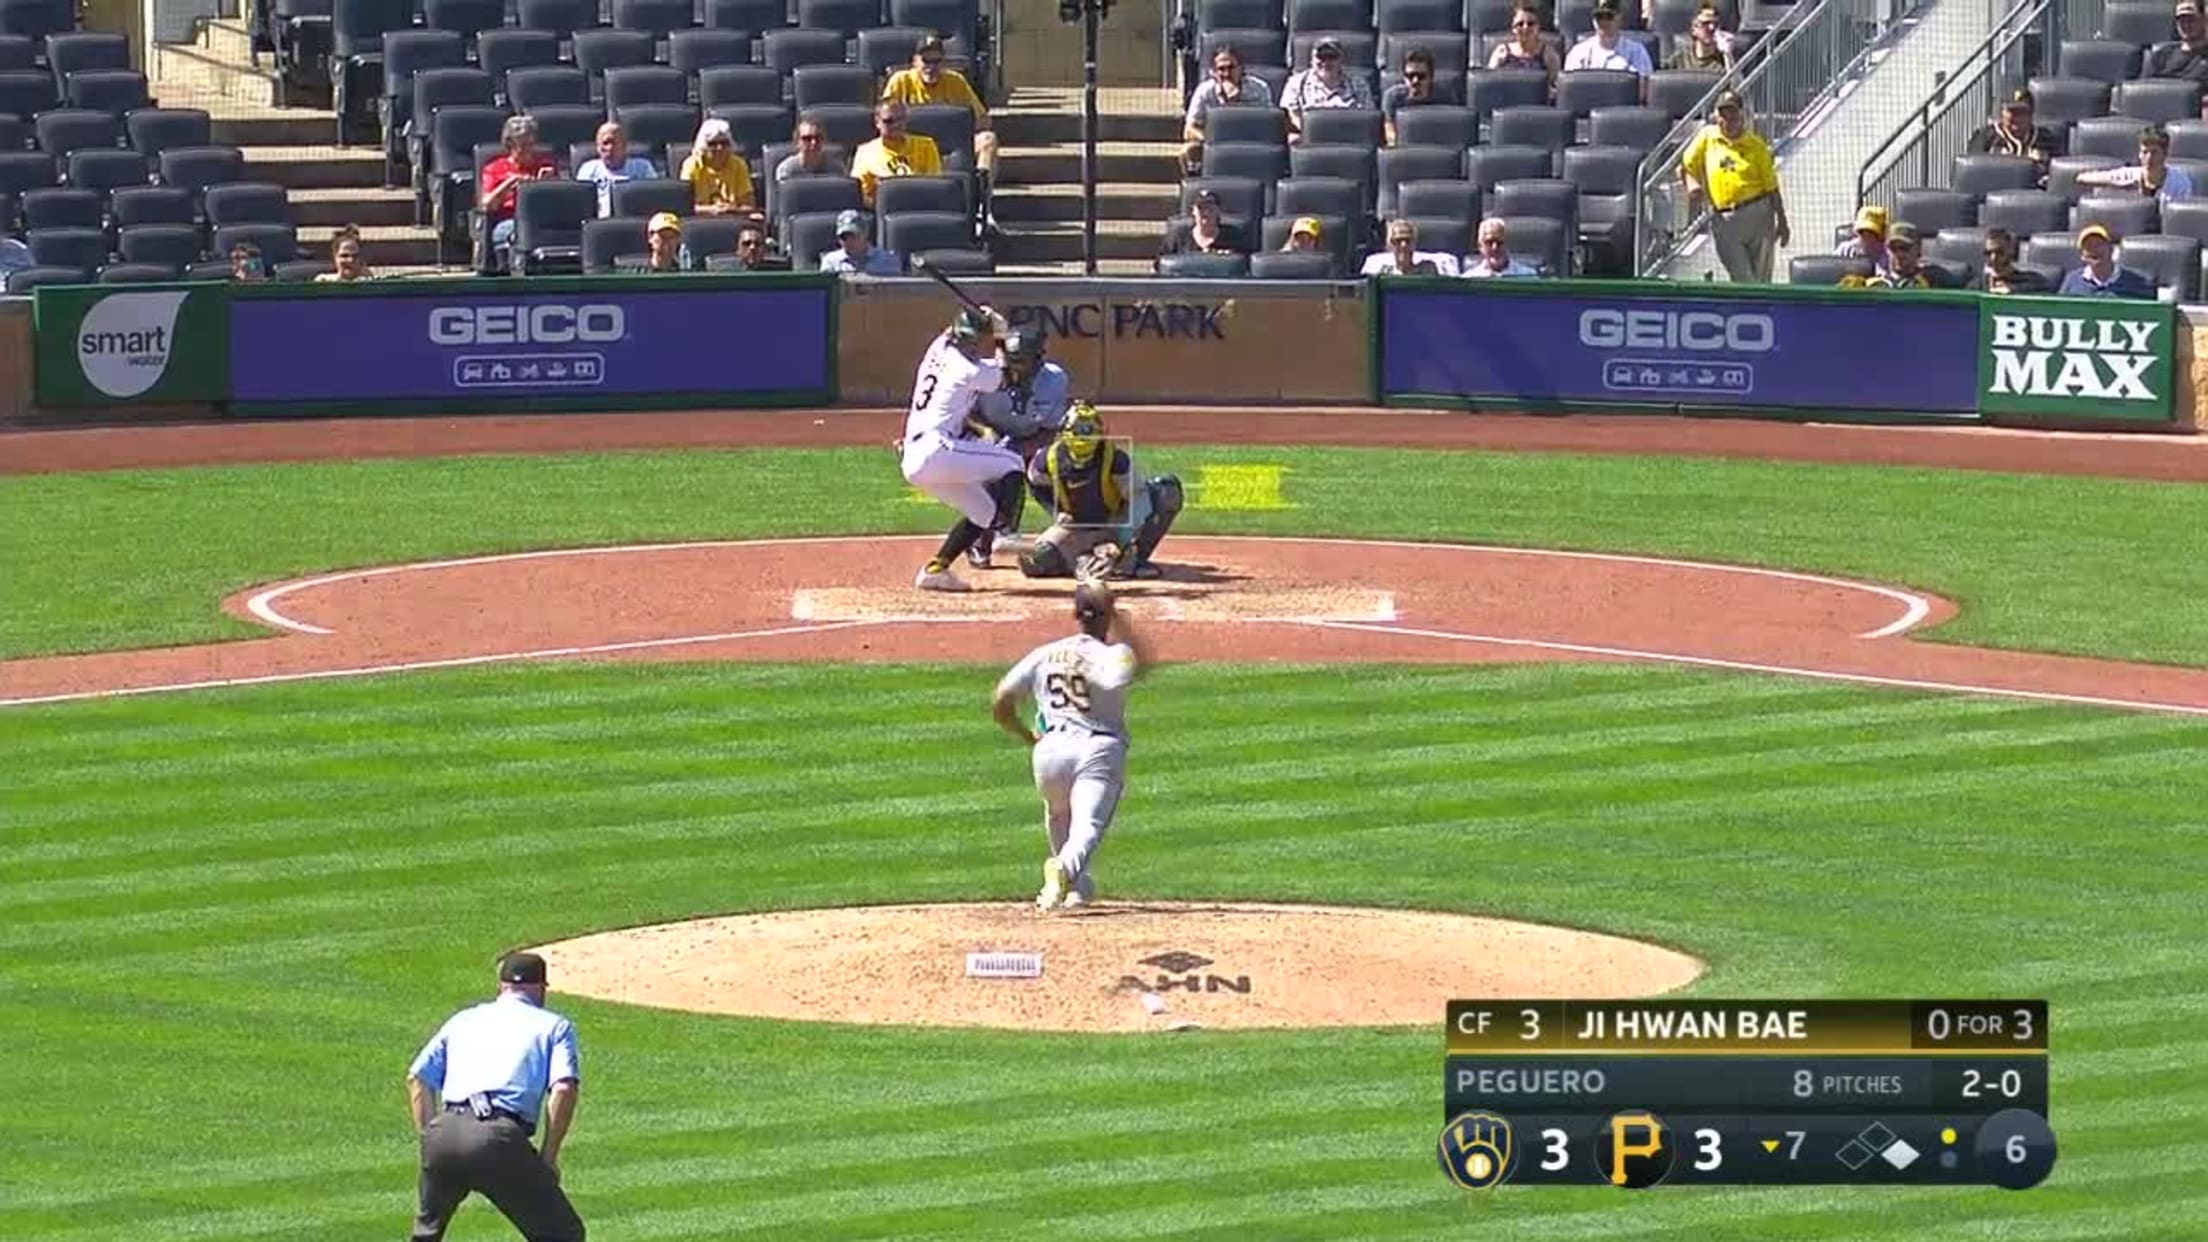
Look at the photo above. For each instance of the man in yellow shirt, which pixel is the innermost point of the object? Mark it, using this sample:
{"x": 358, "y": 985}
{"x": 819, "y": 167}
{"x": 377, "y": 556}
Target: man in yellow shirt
{"x": 894, "y": 153}
{"x": 1731, "y": 166}
{"x": 928, "y": 82}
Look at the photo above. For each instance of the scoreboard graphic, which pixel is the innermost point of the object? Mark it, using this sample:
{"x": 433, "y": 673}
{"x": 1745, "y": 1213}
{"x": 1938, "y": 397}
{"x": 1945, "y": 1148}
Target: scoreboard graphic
{"x": 1639, "y": 1094}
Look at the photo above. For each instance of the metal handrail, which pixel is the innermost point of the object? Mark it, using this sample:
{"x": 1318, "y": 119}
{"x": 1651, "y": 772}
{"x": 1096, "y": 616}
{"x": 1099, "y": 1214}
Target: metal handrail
{"x": 1958, "y": 105}
{"x": 1800, "y": 67}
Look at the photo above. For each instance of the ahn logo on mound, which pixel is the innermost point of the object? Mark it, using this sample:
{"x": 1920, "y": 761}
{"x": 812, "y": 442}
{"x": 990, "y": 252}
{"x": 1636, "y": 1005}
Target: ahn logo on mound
{"x": 125, "y": 342}
{"x": 2097, "y": 360}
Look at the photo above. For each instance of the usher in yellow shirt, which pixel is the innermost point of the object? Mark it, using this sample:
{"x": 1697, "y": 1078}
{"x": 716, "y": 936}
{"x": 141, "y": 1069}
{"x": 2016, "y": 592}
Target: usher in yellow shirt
{"x": 1731, "y": 170}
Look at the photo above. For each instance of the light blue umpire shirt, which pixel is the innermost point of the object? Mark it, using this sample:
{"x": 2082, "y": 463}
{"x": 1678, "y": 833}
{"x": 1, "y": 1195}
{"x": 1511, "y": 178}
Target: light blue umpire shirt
{"x": 1041, "y": 407}
{"x": 511, "y": 1049}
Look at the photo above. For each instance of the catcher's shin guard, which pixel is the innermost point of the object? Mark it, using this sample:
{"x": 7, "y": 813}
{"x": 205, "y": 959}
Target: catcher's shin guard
{"x": 1165, "y": 505}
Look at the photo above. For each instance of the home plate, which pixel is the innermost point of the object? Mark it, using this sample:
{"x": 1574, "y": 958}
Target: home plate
{"x": 1046, "y": 598}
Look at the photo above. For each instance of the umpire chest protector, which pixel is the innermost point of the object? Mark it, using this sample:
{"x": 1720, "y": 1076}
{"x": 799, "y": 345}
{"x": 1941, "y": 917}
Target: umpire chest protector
{"x": 1089, "y": 489}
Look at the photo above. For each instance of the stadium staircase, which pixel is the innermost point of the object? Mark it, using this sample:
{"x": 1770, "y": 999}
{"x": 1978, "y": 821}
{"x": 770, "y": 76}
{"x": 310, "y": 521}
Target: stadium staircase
{"x": 330, "y": 187}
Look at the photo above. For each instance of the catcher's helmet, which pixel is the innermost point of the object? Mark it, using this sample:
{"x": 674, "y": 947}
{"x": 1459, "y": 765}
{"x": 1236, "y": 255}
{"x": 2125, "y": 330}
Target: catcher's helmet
{"x": 1083, "y": 432}
{"x": 1024, "y": 346}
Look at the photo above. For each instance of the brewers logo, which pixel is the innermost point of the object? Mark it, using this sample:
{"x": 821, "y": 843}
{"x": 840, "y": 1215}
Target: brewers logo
{"x": 1476, "y": 1150}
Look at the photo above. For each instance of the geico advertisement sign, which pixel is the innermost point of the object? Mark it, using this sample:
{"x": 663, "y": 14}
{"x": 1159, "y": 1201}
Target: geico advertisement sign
{"x": 2056, "y": 356}
{"x": 1678, "y": 331}
{"x": 1164, "y": 321}
{"x": 542, "y": 323}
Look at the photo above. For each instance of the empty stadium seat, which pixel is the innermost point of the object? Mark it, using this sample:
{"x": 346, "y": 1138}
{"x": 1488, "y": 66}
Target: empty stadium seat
{"x": 154, "y": 130}
{"x": 548, "y": 224}
{"x": 137, "y": 273}
{"x": 724, "y": 85}
{"x": 1455, "y": 201}
{"x": 1295, "y": 265}
{"x": 1490, "y": 90}
{"x": 606, "y": 241}
{"x": 542, "y": 86}
{"x": 1239, "y": 15}
{"x": 1824, "y": 269}
{"x": 247, "y": 202}
{"x": 59, "y": 208}
{"x": 29, "y": 278}
{"x": 1319, "y": 196}
{"x": 1487, "y": 165}
{"x": 1638, "y": 126}
{"x": 1438, "y": 125}
{"x": 109, "y": 169}
{"x": 786, "y": 51}
{"x": 753, "y": 16}
{"x": 1680, "y": 92}
{"x": 1979, "y": 175}
{"x": 630, "y": 85}
{"x": 658, "y": 18}
{"x": 2160, "y": 100}
{"x": 2138, "y": 22}
{"x": 1582, "y": 92}
{"x": 2129, "y": 215}
{"x": 174, "y": 244}
{"x": 1543, "y": 241}
{"x": 2061, "y": 102}
{"x": 813, "y": 85}
{"x": 558, "y": 17}
{"x": 1933, "y": 210}
{"x": 2173, "y": 262}
{"x": 690, "y": 52}
{"x": 82, "y": 248}
{"x": 2024, "y": 212}
{"x": 151, "y": 204}
{"x": 914, "y": 234}
{"x": 597, "y": 51}
{"x": 503, "y": 53}
{"x": 2102, "y": 60}
{"x": 946, "y": 195}
{"x": 467, "y": 18}
{"x": 1401, "y": 164}
{"x": 63, "y": 130}
{"x": 1260, "y": 162}
{"x": 646, "y": 199}
{"x": 1341, "y": 127}
{"x": 81, "y": 50}
{"x": 1355, "y": 163}
{"x": 1247, "y": 123}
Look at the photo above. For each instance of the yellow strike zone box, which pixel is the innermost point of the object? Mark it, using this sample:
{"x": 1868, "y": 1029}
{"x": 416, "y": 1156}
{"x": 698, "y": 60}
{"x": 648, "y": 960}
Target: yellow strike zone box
{"x": 1830, "y": 1027}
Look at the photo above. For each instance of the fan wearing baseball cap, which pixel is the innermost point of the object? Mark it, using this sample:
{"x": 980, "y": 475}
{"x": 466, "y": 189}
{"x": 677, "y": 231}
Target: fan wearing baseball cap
{"x": 2100, "y": 275}
{"x": 1205, "y": 231}
{"x": 663, "y": 244}
{"x": 855, "y": 253}
{"x": 2014, "y": 132}
{"x": 1731, "y": 167}
{"x": 1905, "y": 266}
{"x": 2187, "y": 55}
{"x": 477, "y": 1091}
{"x": 1327, "y": 83}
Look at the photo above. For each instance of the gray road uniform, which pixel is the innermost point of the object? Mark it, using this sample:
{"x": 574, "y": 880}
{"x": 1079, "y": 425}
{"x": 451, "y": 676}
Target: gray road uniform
{"x": 1079, "y": 685}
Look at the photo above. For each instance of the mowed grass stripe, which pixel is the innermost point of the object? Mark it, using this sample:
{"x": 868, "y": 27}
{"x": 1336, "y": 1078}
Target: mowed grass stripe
{"x": 1782, "y": 893}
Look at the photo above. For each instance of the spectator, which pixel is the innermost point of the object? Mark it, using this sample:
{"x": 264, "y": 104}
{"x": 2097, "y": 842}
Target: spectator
{"x": 1730, "y": 166}
{"x": 245, "y": 262}
{"x": 1607, "y": 47}
{"x": 751, "y": 250}
{"x": 1869, "y": 242}
{"x": 719, "y": 176}
{"x": 2013, "y": 133}
{"x": 812, "y": 157}
{"x": 1326, "y": 84}
{"x": 1204, "y": 232}
{"x": 1226, "y": 86}
{"x": 928, "y": 82}
{"x": 501, "y": 181}
{"x": 856, "y": 254}
{"x": 1416, "y": 90}
{"x": 894, "y": 153}
{"x": 1527, "y": 47}
{"x": 2001, "y": 274}
{"x": 663, "y": 248}
{"x": 1495, "y": 261}
{"x": 2151, "y": 176}
{"x": 346, "y": 263}
{"x": 1708, "y": 48}
{"x": 1905, "y": 267}
{"x": 2101, "y": 276}
{"x": 1305, "y": 234}
{"x": 613, "y": 164}
{"x": 2187, "y": 56}
{"x": 1404, "y": 258}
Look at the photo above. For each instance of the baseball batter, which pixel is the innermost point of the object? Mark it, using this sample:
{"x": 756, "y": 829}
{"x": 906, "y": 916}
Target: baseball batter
{"x": 944, "y": 456}
{"x": 1079, "y": 688}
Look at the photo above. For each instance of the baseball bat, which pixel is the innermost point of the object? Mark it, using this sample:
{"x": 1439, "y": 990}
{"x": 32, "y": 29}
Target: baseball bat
{"x": 964, "y": 298}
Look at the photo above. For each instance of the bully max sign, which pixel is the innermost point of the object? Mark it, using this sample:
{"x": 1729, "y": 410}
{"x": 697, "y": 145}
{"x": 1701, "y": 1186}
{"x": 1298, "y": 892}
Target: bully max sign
{"x": 2098, "y": 360}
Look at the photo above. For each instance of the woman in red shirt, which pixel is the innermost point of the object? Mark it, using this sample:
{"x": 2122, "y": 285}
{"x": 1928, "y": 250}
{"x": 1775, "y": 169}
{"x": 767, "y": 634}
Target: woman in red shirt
{"x": 500, "y": 181}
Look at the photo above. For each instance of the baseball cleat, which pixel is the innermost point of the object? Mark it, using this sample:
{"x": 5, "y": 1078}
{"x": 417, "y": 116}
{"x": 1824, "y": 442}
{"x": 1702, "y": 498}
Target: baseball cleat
{"x": 1084, "y": 892}
{"x": 1054, "y": 885}
{"x": 978, "y": 555}
{"x": 939, "y": 580}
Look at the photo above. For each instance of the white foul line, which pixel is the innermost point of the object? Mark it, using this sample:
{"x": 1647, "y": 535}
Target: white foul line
{"x": 411, "y": 666}
{"x": 1915, "y": 607}
{"x": 1667, "y": 657}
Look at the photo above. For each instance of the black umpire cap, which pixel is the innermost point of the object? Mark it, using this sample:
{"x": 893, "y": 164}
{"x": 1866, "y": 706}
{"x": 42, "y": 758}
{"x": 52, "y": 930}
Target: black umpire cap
{"x": 521, "y": 968}
{"x": 1025, "y": 344}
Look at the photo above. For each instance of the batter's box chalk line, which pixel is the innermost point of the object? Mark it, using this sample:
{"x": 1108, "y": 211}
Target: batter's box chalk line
{"x": 1293, "y": 605}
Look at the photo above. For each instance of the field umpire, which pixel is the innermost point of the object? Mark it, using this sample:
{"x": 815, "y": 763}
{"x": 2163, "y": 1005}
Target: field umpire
{"x": 476, "y": 1093}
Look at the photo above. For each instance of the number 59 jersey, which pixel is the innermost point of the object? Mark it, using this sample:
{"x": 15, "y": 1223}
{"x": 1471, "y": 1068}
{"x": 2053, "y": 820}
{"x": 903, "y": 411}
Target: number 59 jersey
{"x": 1078, "y": 683}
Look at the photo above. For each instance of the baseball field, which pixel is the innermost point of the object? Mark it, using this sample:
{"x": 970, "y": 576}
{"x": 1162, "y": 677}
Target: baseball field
{"x": 234, "y": 912}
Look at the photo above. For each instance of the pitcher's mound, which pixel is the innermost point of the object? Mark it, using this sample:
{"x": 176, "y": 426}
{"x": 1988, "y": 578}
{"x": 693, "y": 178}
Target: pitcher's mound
{"x": 1113, "y": 967}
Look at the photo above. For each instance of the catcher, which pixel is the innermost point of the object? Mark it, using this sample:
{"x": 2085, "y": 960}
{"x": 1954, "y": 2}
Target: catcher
{"x": 1106, "y": 525}
{"x": 1023, "y": 415}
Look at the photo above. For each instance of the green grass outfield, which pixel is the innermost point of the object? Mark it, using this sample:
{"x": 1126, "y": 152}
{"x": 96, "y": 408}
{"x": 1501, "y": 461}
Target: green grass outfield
{"x": 227, "y": 919}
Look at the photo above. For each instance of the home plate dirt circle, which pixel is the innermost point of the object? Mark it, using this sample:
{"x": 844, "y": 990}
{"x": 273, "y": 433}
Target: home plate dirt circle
{"x": 1134, "y": 966}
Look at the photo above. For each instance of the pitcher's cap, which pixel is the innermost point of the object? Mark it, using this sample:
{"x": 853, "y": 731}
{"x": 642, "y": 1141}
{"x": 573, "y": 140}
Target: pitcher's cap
{"x": 523, "y": 968}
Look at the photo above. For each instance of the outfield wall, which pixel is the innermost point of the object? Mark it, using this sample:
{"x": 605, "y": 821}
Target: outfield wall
{"x": 127, "y": 353}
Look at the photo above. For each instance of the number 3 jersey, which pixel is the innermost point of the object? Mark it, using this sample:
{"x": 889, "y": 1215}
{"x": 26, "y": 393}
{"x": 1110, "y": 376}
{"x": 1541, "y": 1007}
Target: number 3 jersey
{"x": 945, "y": 389}
{"x": 1078, "y": 683}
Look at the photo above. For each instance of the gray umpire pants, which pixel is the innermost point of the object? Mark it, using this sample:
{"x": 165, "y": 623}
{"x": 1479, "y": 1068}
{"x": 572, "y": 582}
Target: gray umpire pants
{"x": 492, "y": 1158}
{"x": 1747, "y": 240}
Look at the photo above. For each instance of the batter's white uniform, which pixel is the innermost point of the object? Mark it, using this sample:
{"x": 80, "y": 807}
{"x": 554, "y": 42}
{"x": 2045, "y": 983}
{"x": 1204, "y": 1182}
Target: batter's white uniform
{"x": 941, "y": 456}
{"x": 1079, "y": 685}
